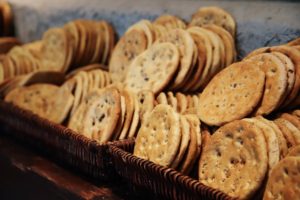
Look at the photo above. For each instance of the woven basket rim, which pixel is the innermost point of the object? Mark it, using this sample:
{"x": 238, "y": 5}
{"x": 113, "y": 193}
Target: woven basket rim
{"x": 180, "y": 179}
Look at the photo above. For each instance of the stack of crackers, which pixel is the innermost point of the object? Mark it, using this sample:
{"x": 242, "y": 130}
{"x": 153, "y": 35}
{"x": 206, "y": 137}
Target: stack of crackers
{"x": 265, "y": 81}
{"x": 78, "y": 43}
{"x": 169, "y": 55}
{"x": 178, "y": 89}
{"x": 241, "y": 156}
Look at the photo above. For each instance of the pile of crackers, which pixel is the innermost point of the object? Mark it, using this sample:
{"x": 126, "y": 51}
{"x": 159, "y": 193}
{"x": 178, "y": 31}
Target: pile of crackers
{"x": 167, "y": 54}
{"x": 177, "y": 88}
{"x": 77, "y": 44}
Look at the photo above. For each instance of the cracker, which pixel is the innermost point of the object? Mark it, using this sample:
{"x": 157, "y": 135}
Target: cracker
{"x": 281, "y": 140}
{"x": 296, "y": 113}
{"x": 162, "y": 98}
{"x": 228, "y": 41}
{"x": 129, "y": 46}
{"x": 172, "y": 101}
{"x": 121, "y": 120}
{"x": 170, "y": 22}
{"x": 271, "y": 140}
{"x": 136, "y": 118}
{"x": 46, "y": 100}
{"x": 184, "y": 42}
{"x": 290, "y": 68}
{"x": 146, "y": 27}
{"x": 146, "y": 102}
{"x": 202, "y": 33}
{"x": 214, "y": 15}
{"x": 200, "y": 63}
{"x": 153, "y": 69}
{"x": 181, "y": 102}
{"x": 158, "y": 139}
{"x": 129, "y": 101}
{"x": 76, "y": 119}
{"x": 293, "y": 129}
{"x": 284, "y": 180}
{"x": 78, "y": 90}
{"x": 194, "y": 149}
{"x": 185, "y": 141}
{"x": 55, "y": 50}
{"x": 73, "y": 33}
{"x": 102, "y": 115}
{"x": 294, "y": 55}
{"x": 294, "y": 120}
{"x": 235, "y": 160}
{"x": 231, "y": 94}
{"x": 288, "y": 135}
{"x": 294, "y": 151}
{"x": 276, "y": 82}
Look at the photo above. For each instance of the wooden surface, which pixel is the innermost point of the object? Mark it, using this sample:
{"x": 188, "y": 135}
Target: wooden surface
{"x": 25, "y": 174}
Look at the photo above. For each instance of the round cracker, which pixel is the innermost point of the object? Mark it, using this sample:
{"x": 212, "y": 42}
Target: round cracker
{"x": 153, "y": 69}
{"x": 214, "y": 15}
{"x": 184, "y": 42}
{"x": 146, "y": 27}
{"x": 194, "y": 148}
{"x": 288, "y": 135}
{"x": 281, "y": 140}
{"x": 200, "y": 63}
{"x": 235, "y": 160}
{"x": 146, "y": 102}
{"x": 102, "y": 115}
{"x": 290, "y": 68}
{"x": 283, "y": 182}
{"x": 227, "y": 40}
{"x": 136, "y": 118}
{"x": 158, "y": 139}
{"x": 170, "y": 22}
{"x": 181, "y": 102}
{"x": 232, "y": 94}
{"x": 271, "y": 140}
{"x": 209, "y": 55}
{"x": 46, "y": 100}
{"x": 128, "y": 47}
{"x": 55, "y": 50}
{"x": 129, "y": 102}
{"x": 76, "y": 119}
{"x": 185, "y": 142}
{"x": 276, "y": 82}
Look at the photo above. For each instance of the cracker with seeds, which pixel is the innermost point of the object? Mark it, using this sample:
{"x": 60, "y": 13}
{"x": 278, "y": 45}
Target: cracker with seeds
{"x": 128, "y": 47}
{"x": 184, "y": 42}
{"x": 283, "y": 182}
{"x": 232, "y": 94}
{"x": 102, "y": 115}
{"x": 271, "y": 140}
{"x": 235, "y": 160}
{"x": 158, "y": 139}
{"x": 214, "y": 15}
{"x": 276, "y": 82}
{"x": 46, "y": 100}
{"x": 153, "y": 69}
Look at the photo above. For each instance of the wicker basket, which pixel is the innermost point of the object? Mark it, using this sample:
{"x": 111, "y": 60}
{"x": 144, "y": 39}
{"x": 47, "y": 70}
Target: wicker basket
{"x": 58, "y": 142}
{"x": 164, "y": 182}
